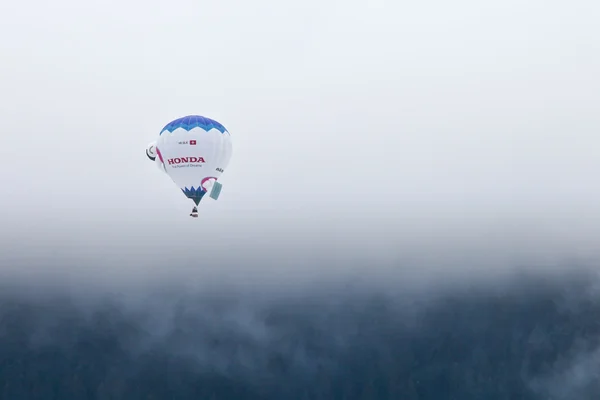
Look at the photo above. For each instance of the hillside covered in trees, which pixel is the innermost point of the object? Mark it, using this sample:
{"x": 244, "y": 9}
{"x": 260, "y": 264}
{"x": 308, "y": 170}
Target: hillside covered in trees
{"x": 535, "y": 338}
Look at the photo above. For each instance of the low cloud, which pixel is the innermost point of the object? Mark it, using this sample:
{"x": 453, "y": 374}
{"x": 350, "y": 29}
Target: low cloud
{"x": 529, "y": 336}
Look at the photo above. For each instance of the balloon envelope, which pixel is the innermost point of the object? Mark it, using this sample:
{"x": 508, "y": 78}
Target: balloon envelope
{"x": 194, "y": 151}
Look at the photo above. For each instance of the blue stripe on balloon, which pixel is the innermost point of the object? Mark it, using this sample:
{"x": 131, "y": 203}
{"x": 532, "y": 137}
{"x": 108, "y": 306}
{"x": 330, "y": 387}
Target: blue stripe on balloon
{"x": 193, "y": 121}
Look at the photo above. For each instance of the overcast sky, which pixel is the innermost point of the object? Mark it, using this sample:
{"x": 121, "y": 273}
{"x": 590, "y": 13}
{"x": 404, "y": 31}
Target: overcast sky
{"x": 364, "y": 122}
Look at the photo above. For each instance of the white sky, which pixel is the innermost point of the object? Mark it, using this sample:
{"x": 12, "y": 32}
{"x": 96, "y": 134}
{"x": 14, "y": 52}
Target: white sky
{"x": 369, "y": 122}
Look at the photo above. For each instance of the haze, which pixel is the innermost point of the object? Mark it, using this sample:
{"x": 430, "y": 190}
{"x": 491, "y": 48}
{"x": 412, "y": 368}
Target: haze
{"x": 382, "y": 150}
{"x": 362, "y": 131}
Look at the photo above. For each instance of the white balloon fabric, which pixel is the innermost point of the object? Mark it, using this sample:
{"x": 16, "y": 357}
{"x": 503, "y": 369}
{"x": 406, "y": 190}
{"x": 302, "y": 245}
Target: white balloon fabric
{"x": 151, "y": 151}
{"x": 194, "y": 151}
{"x": 152, "y": 155}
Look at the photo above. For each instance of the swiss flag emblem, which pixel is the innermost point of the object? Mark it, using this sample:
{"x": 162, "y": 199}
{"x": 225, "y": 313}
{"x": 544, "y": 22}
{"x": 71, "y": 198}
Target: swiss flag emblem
{"x": 192, "y": 142}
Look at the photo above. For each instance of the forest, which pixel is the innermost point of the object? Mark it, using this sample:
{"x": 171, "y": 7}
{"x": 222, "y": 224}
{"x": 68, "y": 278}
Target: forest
{"x": 533, "y": 338}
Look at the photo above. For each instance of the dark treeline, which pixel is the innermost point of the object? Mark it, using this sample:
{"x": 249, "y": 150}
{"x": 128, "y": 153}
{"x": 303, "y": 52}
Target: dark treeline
{"x": 533, "y": 339}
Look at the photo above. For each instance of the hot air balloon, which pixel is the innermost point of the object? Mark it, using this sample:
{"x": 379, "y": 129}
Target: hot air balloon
{"x": 194, "y": 151}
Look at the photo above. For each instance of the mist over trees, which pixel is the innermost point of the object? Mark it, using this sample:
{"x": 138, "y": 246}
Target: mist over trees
{"x": 534, "y": 338}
